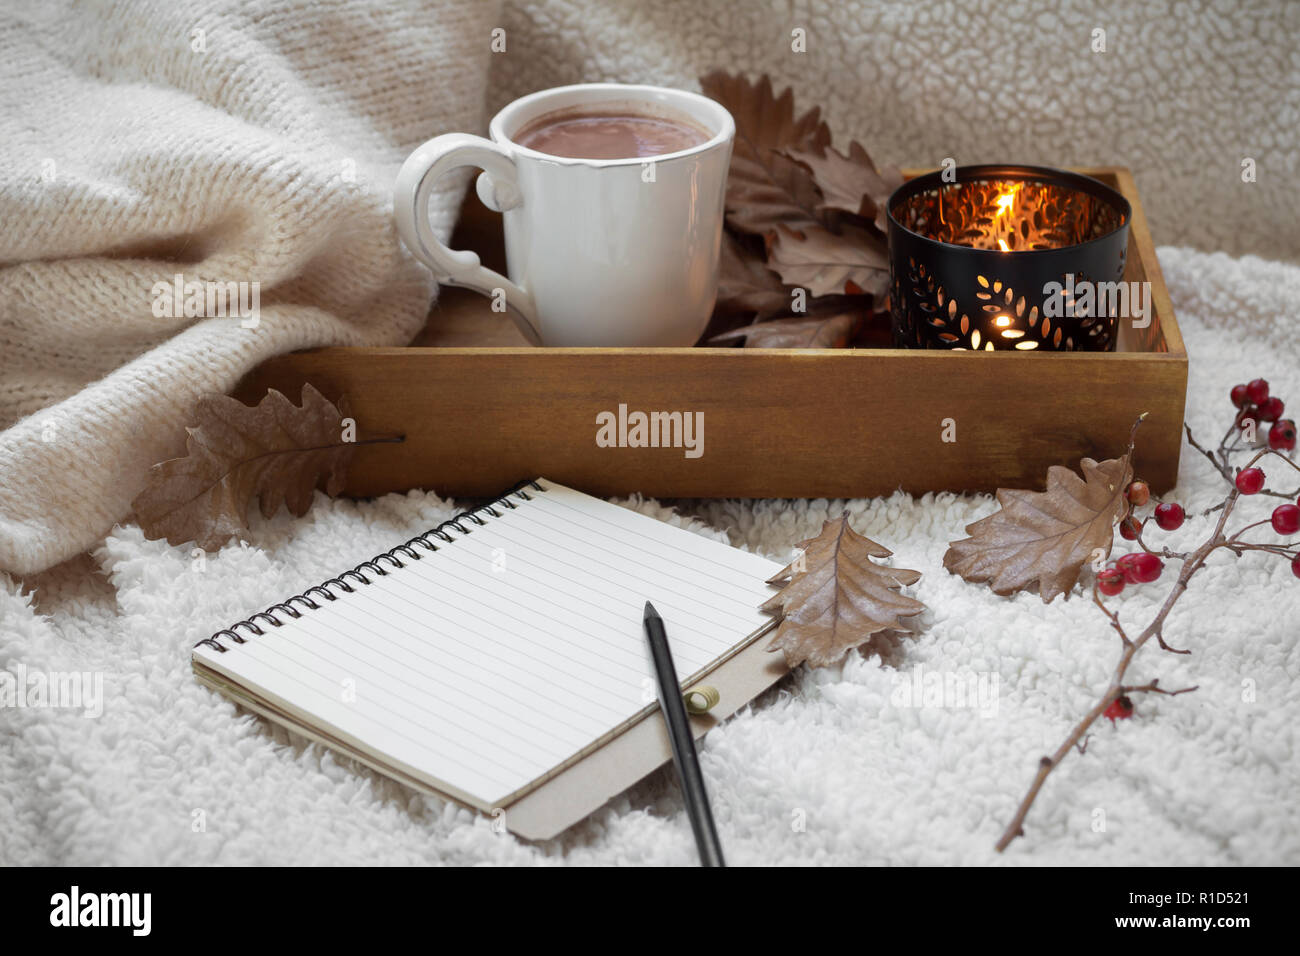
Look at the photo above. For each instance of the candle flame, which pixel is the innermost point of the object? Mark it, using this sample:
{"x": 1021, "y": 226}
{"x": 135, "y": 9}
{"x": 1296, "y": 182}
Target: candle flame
{"x": 1005, "y": 202}
{"x": 1002, "y": 321}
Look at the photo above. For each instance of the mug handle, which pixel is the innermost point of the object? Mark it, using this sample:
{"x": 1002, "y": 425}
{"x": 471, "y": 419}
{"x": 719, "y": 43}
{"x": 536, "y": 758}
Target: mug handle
{"x": 498, "y": 189}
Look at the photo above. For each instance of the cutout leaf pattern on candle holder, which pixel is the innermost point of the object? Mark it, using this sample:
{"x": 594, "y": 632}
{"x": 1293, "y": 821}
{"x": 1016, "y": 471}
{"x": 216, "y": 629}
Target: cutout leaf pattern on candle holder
{"x": 1003, "y": 318}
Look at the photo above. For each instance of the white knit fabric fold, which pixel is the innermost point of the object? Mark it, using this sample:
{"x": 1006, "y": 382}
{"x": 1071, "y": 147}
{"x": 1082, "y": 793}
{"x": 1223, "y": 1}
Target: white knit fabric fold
{"x": 223, "y": 142}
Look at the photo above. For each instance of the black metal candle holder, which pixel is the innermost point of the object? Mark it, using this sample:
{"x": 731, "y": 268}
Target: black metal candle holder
{"x": 972, "y": 260}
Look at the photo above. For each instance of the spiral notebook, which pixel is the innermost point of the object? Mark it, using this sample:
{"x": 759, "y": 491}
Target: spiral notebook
{"x": 502, "y": 651}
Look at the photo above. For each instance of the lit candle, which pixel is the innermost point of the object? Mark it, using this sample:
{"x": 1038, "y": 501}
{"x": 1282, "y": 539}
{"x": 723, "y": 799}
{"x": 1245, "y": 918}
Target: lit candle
{"x": 974, "y": 261}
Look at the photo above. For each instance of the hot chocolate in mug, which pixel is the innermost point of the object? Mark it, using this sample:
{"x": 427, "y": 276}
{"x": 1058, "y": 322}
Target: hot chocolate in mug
{"x": 600, "y": 252}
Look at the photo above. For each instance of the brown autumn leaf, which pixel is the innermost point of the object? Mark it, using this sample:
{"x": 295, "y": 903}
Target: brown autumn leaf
{"x": 851, "y": 183}
{"x": 275, "y": 450}
{"x": 813, "y": 332}
{"x": 764, "y": 187}
{"x": 825, "y": 263}
{"x": 746, "y": 285}
{"x": 1045, "y": 537}
{"x": 835, "y": 598}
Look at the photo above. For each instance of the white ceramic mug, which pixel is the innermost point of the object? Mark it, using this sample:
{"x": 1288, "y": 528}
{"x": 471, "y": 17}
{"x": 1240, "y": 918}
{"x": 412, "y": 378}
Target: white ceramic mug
{"x": 601, "y": 252}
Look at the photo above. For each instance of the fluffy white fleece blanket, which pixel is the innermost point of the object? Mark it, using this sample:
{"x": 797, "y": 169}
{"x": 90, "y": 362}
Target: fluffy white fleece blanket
{"x": 826, "y": 768}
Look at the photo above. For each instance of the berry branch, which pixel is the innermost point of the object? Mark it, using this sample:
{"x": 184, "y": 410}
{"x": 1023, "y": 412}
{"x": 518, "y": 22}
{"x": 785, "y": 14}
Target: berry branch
{"x": 1255, "y": 408}
{"x": 1146, "y": 566}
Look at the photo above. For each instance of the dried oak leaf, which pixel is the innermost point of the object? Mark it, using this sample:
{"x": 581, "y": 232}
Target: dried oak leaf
{"x": 746, "y": 284}
{"x": 825, "y": 263}
{"x": 764, "y": 187}
{"x": 1045, "y": 537}
{"x": 275, "y": 450}
{"x": 835, "y": 598}
{"x": 814, "y": 332}
{"x": 851, "y": 183}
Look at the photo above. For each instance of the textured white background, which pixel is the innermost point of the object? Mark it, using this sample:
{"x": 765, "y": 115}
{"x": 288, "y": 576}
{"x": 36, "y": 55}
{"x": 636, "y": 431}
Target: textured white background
{"x": 1183, "y": 93}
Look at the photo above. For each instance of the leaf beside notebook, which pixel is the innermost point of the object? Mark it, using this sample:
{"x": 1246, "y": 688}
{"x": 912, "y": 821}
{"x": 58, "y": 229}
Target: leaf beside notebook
{"x": 1042, "y": 539}
{"x": 836, "y": 598}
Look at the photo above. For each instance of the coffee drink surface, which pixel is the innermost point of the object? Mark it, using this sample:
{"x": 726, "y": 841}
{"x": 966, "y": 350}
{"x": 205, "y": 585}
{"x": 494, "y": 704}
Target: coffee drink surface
{"x": 608, "y": 136}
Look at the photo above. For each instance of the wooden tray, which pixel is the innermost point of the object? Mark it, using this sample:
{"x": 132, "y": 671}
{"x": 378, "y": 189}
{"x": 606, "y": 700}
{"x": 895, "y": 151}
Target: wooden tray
{"x": 480, "y": 409}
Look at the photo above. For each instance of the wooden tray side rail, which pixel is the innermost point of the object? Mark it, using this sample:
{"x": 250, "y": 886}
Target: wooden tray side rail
{"x": 776, "y": 423}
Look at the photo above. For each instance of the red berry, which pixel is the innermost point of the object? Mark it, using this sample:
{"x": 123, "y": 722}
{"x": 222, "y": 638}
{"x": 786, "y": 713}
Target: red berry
{"x": 1170, "y": 515}
{"x": 1121, "y": 708}
{"x": 1138, "y": 493}
{"x": 1110, "y": 581}
{"x": 1272, "y": 410}
{"x": 1257, "y": 391}
{"x": 1129, "y": 528}
{"x": 1281, "y": 437}
{"x": 1238, "y": 395}
{"x": 1286, "y": 519}
{"x": 1250, "y": 481}
{"x": 1147, "y": 567}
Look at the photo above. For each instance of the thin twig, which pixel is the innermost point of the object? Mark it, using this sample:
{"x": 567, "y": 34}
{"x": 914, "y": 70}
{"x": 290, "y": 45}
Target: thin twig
{"x": 1192, "y": 563}
{"x": 1155, "y": 688}
{"x": 1222, "y": 469}
{"x": 1114, "y": 618}
{"x": 1046, "y": 765}
{"x": 1225, "y": 469}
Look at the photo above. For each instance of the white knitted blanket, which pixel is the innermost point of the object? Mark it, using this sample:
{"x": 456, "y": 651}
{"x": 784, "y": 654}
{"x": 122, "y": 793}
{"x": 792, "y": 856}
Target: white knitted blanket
{"x": 830, "y": 767}
{"x": 223, "y": 142}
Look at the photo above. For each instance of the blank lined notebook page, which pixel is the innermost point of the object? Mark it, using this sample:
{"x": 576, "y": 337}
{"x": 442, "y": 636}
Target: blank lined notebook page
{"x": 486, "y": 666}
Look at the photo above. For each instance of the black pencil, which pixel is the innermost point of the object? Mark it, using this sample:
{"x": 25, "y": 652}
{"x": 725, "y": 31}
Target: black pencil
{"x": 683, "y": 743}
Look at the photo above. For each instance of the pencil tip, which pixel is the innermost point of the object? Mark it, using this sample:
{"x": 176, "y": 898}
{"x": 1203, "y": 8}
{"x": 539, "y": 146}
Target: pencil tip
{"x": 650, "y": 610}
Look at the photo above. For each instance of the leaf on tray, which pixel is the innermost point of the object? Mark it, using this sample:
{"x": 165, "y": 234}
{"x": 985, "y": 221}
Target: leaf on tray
{"x": 275, "y": 450}
{"x": 746, "y": 284}
{"x": 835, "y": 598}
{"x": 815, "y": 332}
{"x": 1045, "y": 538}
{"x": 765, "y": 188}
{"x": 851, "y": 183}
{"x": 828, "y": 264}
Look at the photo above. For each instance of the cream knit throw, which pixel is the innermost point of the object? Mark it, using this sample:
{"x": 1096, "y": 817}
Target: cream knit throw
{"x": 251, "y": 142}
